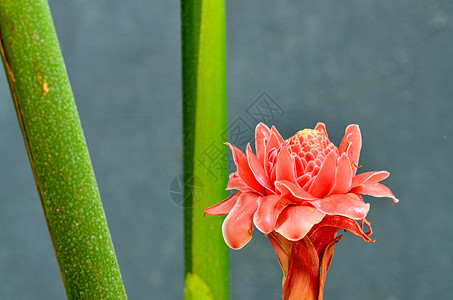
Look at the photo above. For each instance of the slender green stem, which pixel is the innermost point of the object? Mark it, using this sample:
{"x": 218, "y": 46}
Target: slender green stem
{"x": 57, "y": 151}
{"x": 205, "y": 156}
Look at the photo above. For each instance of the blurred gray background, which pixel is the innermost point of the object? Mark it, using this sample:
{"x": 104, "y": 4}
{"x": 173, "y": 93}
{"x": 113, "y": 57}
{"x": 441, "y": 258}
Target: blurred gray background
{"x": 385, "y": 65}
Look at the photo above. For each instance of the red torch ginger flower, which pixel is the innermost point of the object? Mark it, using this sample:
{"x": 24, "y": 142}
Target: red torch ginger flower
{"x": 299, "y": 192}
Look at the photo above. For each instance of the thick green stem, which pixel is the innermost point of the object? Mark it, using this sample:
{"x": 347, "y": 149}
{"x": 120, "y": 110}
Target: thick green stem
{"x": 205, "y": 156}
{"x": 57, "y": 151}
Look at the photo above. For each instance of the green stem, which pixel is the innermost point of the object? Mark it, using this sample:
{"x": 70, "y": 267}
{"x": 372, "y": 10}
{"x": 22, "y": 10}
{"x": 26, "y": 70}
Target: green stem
{"x": 205, "y": 156}
{"x": 57, "y": 151}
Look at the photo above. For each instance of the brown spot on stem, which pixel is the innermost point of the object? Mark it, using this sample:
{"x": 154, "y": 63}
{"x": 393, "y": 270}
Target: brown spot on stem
{"x": 44, "y": 85}
{"x": 45, "y": 88}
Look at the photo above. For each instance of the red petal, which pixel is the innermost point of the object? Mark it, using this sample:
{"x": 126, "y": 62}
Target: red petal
{"x": 320, "y": 236}
{"x": 284, "y": 168}
{"x": 235, "y": 183}
{"x": 302, "y": 180}
{"x": 325, "y": 264}
{"x": 262, "y": 133}
{"x": 369, "y": 177}
{"x": 308, "y": 183}
{"x": 298, "y": 165}
{"x": 224, "y": 207}
{"x": 321, "y": 127}
{"x": 343, "y": 176}
{"x": 273, "y": 143}
{"x": 277, "y": 134}
{"x": 351, "y": 144}
{"x": 238, "y": 226}
{"x": 340, "y": 222}
{"x": 257, "y": 169}
{"x": 269, "y": 167}
{"x": 325, "y": 179}
{"x": 348, "y": 205}
{"x": 375, "y": 190}
{"x": 295, "y": 222}
{"x": 293, "y": 191}
{"x": 269, "y": 207}
{"x": 302, "y": 281}
{"x": 244, "y": 171}
{"x": 282, "y": 247}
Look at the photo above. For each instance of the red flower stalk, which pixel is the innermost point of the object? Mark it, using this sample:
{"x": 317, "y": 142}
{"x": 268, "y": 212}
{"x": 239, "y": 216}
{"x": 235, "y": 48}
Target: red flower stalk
{"x": 300, "y": 192}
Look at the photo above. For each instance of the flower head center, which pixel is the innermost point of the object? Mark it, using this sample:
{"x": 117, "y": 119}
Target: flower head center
{"x": 311, "y": 146}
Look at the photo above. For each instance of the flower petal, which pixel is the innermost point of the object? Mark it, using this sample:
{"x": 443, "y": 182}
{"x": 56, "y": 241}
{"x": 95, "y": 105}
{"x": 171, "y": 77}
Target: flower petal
{"x": 237, "y": 228}
{"x": 281, "y": 247}
{"x": 293, "y": 192}
{"x": 273, "y": 143}
{"x": 235, "y": 183}
{"x": 321, "y": 235}
{"x": 339, "y": 222}
{"x": 325, "y": 264}
{"x": 284, "y": 168}
{"x": 224, "y": 207}
{"x": 375, "y": 189}
{"x": 269, "y": 207}
{"x": 302, "y": 180}
{"x": 325, "y": 180}
{"x": 302, "y": 281}
{"x": 321, "y": 127}
{"x": 294, "y": 222}
{"x": 298, "y": 165}
{"x": 262, "y": 134}
{"x": 348, "y": 205}
{"x": 351, "y": 144}
{"x": 369, "y": 177}
{"x": 275, "y": 132}
{"x": 343, "y": 175}
{"x": 258, "y": 169}
{"x": 244, "y": 171}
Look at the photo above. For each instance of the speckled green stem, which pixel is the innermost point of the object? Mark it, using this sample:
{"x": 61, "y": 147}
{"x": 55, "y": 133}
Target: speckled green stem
{"x": 205, "y": 156}
{"x": 57, "y": 151}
